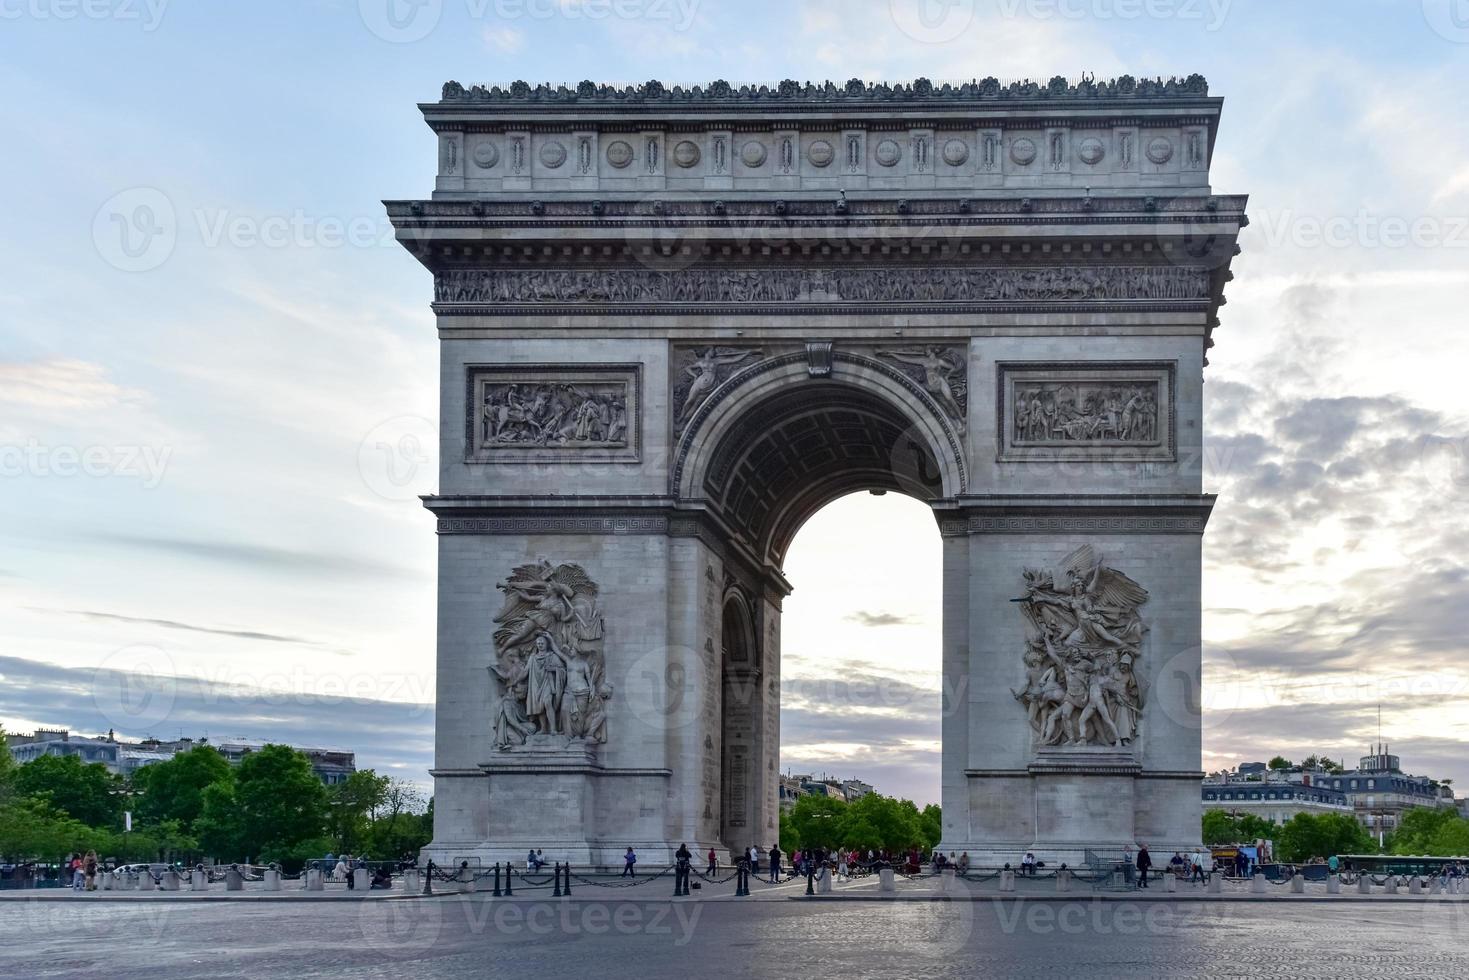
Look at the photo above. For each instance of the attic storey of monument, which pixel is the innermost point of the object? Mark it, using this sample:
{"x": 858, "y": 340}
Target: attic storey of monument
{"x": 674, "y": 323}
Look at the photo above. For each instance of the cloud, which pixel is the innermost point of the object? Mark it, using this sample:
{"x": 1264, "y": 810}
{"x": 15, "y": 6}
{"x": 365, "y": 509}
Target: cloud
{"x": 63, "y": 384}
{"x": 392, "y": 736}
{"x": 865, "y": 618}
{"x": 260, "y": 557}
{"x": 176, "y": 625}
{"x": 505, "y": 39}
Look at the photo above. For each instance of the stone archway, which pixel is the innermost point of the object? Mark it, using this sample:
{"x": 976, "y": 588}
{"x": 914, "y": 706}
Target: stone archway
{"x": 676, "y": 322}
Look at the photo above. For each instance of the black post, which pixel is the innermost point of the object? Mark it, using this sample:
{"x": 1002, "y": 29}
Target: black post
{"x": 509, "y": 870}
{"x": 497, "y": 880}
{"x": 556, "y": 891}
{"x": 742, "y": 879}
{"x": 428, "y": 879}
{"x": 566, "y": 888}
{"x": 810, "y": 877}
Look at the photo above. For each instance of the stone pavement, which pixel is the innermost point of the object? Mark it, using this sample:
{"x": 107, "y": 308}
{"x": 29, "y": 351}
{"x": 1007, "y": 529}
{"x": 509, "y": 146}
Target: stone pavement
{"x": 619, "y": 936}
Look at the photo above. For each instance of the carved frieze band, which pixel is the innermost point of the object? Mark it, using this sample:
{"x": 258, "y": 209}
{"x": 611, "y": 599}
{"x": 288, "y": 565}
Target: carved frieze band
{"x": 1061, "y": 524}
{"x": 723, "y": 285}
{"x": 550, "y": 524}
{"x": 541, "y": 413}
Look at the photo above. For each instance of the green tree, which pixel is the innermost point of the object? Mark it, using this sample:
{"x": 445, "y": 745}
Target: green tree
{"x": 273, "y": 804}
{"x": 353, "y": 804}
{"x": 397, "y": 825}
{"x": 1436, "y": 831}
{"x": 1219, "y": 828}
{"x": 1307, "y": 835}
{"x": 84, "y": 791}
{"x": 32, "y": 829}
{"x": 1279, "y": 762}
{"x": 219, "y": 827}
{"x": 931, "y": 825}
{"x": 790, "y": 839}
{"x": 7, "y": 766}
{"x": 174, "y": 789}
{"x": 817, "y": 819}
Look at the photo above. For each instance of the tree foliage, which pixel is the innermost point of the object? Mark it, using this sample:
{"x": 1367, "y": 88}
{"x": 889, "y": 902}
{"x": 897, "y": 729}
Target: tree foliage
{"x": 273, "y": 802}
{"x": 1312, "y": 835}
{"x": 174, "y": 789}
{"x": 84, "y": 791}
{"x": 1220, "y": 828}
{"x": 873, "y": 822}
{"x": 1436, "y": 831}
{"x": 1279, "y": 762}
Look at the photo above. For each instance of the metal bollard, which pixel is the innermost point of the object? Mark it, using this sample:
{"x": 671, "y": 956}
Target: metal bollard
{"x": 556, "y": 875}
{"x": 428, "y": 879}
{"x": 566, "y": 888}
{"x": 742, "y": 879}
{"x": 496, "y": 893}
{"x": 509, "y": 873}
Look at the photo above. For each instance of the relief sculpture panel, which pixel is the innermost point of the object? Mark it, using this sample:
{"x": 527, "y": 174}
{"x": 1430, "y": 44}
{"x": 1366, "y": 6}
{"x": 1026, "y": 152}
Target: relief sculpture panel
{"x": 542, "y": 413}
{"x": 1119, "y": 411}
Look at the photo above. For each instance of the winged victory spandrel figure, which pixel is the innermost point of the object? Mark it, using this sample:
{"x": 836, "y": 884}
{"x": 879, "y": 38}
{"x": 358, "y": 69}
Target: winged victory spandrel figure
{"x": 1082, "y": 648}
{"x": 549, "y": 659}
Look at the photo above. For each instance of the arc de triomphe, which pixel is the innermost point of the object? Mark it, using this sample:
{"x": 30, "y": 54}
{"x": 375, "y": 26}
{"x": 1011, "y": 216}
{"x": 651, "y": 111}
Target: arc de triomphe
{"x": 675, "y": 323}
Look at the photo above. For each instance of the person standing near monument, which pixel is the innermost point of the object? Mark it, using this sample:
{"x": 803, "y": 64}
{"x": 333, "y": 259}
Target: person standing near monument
{"x": 629, "y": 860}
{"x": 1144, "y": 865}
{"x": 774, "y": 864}
{"x": 713, "y": 863}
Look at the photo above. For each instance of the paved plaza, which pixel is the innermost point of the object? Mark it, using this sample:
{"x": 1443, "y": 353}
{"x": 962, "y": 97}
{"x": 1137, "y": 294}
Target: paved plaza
{"x": 612, "y": 934}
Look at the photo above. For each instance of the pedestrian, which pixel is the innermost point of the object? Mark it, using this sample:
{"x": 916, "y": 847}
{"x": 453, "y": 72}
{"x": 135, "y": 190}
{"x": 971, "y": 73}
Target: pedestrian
{"x": 842, "y": 866}
{"x": 713, "y": 863}
{"x": 340, "y": 870}
{"x": 1144, "y": 865}
{"x": 755, "y": 860}
{"x": 75, "y": 867}
{"x": 774, "y": 864}
{"x": 628, "y": 861}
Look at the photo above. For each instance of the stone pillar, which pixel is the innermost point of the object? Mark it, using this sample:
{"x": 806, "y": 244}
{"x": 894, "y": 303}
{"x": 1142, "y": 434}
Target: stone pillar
{"x": 272, "y": 880}
{"x": 1435, "y": 885}
{"x": 1063, "y": 880}
{"x": 199, "y": 880}
{"x": 1170, "y": 882}
{"x": 234, "y": 879}
{"x": 1007, "y": 880}
{"x": 823, "y": 884}
{"x": 886, "y": 881}
{"x": 412, "y": 883}
{"x": 109, "y": 879}
{"x": 949, "y": 881}
{"x": 1333, "y": 884}
{"x": 1415, "y": 886}
{"x": 1391, "y": 887}
{"x": 1258, "y": 884}
{"x": 1364, "y": 884}
{"x": 172, "y": 881}
{"x": 464, "y": 878}
{"x": 146, "y": 882}
{"x": 1215, "y": 885}
{"x": 130, "y": 881}
{"x": 1298, "y": 883}
{"x": 313, "y": 880}
{"x": 361, "y": 879}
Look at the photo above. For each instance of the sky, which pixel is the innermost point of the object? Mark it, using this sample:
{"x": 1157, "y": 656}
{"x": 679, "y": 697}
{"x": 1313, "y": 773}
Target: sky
{"x": 201, "y": 530}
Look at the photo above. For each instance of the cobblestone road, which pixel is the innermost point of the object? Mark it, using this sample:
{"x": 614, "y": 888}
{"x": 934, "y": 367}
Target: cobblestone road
{"x": 474, "y": 936}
